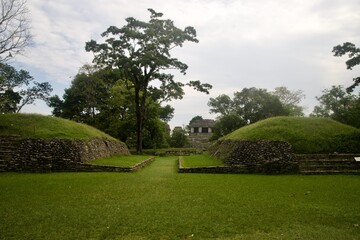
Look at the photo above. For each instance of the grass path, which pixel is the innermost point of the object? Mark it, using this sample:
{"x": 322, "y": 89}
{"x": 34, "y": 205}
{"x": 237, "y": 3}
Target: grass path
{"x": 158, "y": 203}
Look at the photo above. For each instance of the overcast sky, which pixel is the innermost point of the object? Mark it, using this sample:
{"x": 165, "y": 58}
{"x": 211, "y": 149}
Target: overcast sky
{"x": 243, "y": 43}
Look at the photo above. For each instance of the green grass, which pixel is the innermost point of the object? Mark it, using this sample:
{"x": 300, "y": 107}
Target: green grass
{"x": 203, "y": 160}
{"x": 39, "y": 126}
{"x": 120, "y": 161}
{"x": 158, "y": 203}
{"x": 306, "y": 135}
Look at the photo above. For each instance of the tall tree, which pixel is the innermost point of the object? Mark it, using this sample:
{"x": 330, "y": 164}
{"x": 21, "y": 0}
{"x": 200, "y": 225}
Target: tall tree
{"x": 141, "y": 51}
{"x": 13, "y": 92}
{"x": 14, "y": 28}
{"x": 222, "y": 104}
{"x": 254, "y": 104}
{"x": 290, "y": 100}
{"x": 354, "y": 59}
{"x": 226, "y": 124}
{"x": 247, "y": 106}
{"x": 339, "y": 105}
{"x": 99, "y": 98}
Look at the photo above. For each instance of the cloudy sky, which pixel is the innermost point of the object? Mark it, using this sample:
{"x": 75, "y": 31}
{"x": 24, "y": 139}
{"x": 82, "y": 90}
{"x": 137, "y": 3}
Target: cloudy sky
{"x": 243, "y": 43}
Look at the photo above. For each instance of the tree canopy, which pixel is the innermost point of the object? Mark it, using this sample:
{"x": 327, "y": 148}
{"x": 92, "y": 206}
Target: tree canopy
{"x": 13, "y": 92}
{"x": 99, "y": 98}
{"x": 354, "y": 59}
{"x": 14, "y": 28}
{"x": 247, "y": 106}
{"x": 290, "y": 100}
{"x": 339, "y": 105}
{"x": 142, "y": 52}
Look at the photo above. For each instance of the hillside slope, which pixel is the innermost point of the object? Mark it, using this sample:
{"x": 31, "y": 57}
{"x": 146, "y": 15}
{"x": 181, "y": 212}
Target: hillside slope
{"x": 306, "y": 135}
{"x": 39, "y": 126}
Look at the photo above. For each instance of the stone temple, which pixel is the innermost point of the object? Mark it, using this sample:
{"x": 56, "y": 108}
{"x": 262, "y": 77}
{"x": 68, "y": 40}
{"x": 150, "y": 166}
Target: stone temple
{"x": 200, "y": 133}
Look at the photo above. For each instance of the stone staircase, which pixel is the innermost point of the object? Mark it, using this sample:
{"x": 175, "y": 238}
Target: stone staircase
{"x": 199, "y": 140}
{"x": 328, "y": 164}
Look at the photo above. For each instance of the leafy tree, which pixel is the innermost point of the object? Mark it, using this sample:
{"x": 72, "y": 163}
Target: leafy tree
{"x": 14, "y": 28}
{"x": 196, "y": 118}
{"x": 339, "y": 105}
{"x": 247, "y": 106}
{"x": 222, "y": 104}
{"x": 227, "y": 124}
{"x": 290, "y": 100}
{"x": 97, "y": 97}
{"x": 254, "y": 104}
{"x": 178, "y": 138}
{"x": 141, "y": 51}
{"x": 13, "y": 94}
{"x": 354, "y": 59}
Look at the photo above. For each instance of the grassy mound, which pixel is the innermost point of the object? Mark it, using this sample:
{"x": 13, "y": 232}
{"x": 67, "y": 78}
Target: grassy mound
{"x": 306, "y": 135}
{"x": 39, "y": 126}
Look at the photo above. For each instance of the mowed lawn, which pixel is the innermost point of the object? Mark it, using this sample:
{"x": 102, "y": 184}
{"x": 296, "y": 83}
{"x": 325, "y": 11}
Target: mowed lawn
{"x": 158, "y": 203}
{"x": 120, "y": 161}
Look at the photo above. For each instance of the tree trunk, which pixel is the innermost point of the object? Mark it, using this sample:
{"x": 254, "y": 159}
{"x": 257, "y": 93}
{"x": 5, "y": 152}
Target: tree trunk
{"x": 139, "y": 122}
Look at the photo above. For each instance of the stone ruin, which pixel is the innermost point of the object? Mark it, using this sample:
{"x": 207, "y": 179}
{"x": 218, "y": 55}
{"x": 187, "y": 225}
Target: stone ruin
{"x": 200, "y": 133}
{"x": 54, "y": 155}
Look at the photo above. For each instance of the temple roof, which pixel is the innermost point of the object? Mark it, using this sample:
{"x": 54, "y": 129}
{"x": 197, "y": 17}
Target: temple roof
{"x": 203, "y": 123}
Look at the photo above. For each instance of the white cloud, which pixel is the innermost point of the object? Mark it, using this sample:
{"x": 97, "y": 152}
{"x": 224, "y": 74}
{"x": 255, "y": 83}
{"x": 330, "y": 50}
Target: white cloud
{"x": 243, "y": 43}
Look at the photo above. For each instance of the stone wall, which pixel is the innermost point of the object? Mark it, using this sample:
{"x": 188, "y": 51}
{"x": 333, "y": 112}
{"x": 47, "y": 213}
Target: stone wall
{"x": 269, "y": 157}
{"x": 199, "y": 140}
{"x": 46, "y": 155}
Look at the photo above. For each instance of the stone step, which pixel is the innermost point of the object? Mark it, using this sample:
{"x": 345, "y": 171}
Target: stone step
{"x": 324, "y": 164}
{"x": 327, "y": 160}
{"x": 337, "y": 167}
{"x": 314, "y": 172}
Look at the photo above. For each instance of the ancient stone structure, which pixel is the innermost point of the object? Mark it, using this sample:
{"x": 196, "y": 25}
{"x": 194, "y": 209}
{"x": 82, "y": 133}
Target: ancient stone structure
{"x": 47, "y": 155}
{"x": 274, "y": 157}
{"x": 256, "y": 156}
{"x": 200, "y": 133}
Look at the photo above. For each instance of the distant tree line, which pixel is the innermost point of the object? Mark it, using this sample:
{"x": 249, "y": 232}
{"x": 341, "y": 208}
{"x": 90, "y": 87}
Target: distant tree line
{"x": 103, "y": 99}
{"x": 124, "y": 93}
{"x": 251, "y": 105}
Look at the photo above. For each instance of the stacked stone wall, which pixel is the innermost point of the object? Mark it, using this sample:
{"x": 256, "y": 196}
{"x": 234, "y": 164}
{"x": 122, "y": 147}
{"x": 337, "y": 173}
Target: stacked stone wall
{"x": 47, "y": 155}
{"x": 269, "y": 157}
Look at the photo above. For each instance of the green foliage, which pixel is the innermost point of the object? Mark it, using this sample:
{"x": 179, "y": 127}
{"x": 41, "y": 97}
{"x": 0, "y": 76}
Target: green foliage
{"x": 179, "y": 138}
{"x": 290, "y": 100}
{"x": 99, "y": 98}
{"x": 38, "y": 126}
{"x": 120, "y": 161}
{"x": 13, "y": 95}
{"x": 203, "y": 160}
{"x": 306, "y": 135}
{"x": 339, "y": 105}
{"x": 354, "y": 55}
{"x": 248, "y": 106}
{"x": 251, "y": 104}
{"x": 222, "y": 104}
{"x": 196, "y": 118}
{"x": 226, "y": 124}
{"x": 142, "y": 51}
{"x": 158, "y": 203}
{"x": 256, "y": 104}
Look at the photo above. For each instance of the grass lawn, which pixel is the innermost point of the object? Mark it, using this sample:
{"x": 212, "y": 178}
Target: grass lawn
{"x": 204, "y": 160}
{"x": 120, "y": 161}
{"x": 39, "y": 126}
{"x": 305, "y": 134}
{"x": 158, "y": 203}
